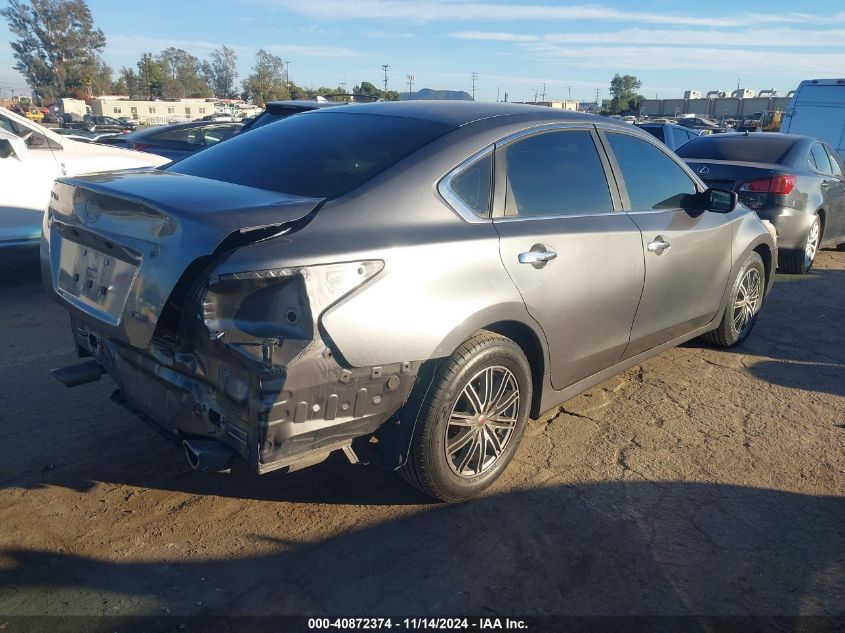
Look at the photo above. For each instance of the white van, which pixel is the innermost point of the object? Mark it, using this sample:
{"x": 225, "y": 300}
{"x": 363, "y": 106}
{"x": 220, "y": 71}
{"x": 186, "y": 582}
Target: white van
{"x": 818, "y": 109}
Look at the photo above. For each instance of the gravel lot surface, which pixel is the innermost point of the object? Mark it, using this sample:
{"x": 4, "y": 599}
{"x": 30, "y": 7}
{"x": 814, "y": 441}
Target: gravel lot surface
{"x": 701, "y": 482}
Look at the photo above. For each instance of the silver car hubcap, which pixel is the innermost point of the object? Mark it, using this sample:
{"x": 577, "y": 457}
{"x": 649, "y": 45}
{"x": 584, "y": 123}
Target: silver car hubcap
{"x": 747, "y": 300}
{"x": 812, "y": 244}
{"x": 482, "y": 421}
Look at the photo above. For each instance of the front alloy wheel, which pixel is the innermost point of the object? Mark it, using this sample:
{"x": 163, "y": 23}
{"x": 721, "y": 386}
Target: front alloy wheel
{"x": 749, "y": 297}
{"x": 746, "y": 299}
{"x": 800, "y": 261}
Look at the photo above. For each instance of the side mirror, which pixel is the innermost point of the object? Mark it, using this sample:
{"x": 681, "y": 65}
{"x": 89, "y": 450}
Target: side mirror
{"x": 720, "y": 201}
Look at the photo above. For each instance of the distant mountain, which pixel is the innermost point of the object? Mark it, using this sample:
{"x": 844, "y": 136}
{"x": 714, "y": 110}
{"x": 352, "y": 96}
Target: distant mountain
{"x": 428, "y": 93}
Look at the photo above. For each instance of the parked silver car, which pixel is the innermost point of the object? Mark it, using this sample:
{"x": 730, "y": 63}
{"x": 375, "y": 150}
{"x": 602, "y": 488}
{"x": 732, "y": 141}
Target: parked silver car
{"x": 405, "y": 281}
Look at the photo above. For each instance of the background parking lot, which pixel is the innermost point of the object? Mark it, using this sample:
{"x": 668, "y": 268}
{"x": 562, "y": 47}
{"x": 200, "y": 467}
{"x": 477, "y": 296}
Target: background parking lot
{"x": 702, "y": 481}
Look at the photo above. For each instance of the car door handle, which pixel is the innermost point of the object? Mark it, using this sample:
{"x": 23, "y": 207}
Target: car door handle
{"x": 537, "y": 257}
{"x": 658, "y": 245}
{"x": 825, "y": 184}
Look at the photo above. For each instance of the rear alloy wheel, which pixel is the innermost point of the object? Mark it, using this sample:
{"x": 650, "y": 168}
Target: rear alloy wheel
{"x": 472, "y": 419}
{"x": 746, "y": 300}
{"x": 799, "y": 262}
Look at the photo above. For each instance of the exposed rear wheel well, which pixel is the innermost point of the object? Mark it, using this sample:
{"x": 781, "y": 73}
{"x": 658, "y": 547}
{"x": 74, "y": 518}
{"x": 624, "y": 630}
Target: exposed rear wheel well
{"x": 766, "y": 255}
{"x": 527, "y": 340}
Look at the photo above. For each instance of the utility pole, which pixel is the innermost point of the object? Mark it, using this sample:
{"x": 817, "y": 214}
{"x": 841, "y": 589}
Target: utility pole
{"x": 410, "y": 86}
{"x": 535, "y": 95}
{"x": 474, "y": 79}
{"x": 569, "y": 98}
{"x": 544, "y": 93}
{"x": 287, "y": 72}
{"x": 385, "y": 68}
{"x": 497, "y": 94}
{"x": 598, "y": 103}
{"x": 506, "y": 96}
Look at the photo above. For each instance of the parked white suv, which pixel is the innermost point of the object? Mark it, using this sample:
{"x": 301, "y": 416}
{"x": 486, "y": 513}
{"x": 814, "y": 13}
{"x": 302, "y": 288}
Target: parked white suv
{"x": 32, "y": 157}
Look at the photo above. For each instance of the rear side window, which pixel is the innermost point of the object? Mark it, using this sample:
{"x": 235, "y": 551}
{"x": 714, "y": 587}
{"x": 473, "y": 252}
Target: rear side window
{"x": 820, "y": 159}
{"x": 555, "y": 173}
{"x": 320, "y": 155}
{"x": 177, "y": 136}
{"x": 755, "y": 148}
{"x": 653, "y": 179}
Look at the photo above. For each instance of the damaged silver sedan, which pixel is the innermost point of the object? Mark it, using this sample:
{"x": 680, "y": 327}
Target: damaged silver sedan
{"x": 406, "y": 282}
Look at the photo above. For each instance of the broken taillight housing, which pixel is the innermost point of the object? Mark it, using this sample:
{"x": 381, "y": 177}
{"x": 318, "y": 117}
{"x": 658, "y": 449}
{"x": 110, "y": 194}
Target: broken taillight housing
{"x": 251, "y": 308}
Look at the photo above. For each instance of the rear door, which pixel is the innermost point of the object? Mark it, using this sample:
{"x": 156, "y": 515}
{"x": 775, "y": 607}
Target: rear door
{"x": 575, "y": 258}
{"x": 687, "y": 253}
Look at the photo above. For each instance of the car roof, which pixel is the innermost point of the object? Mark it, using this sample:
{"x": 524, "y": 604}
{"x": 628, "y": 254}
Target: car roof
{"x": 458, "y": 113}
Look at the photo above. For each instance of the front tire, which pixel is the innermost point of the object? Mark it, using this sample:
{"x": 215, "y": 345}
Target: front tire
{"x": 472, "y": 419}
{"x": 800, "y": 262}
{"x": 746, "y": 298}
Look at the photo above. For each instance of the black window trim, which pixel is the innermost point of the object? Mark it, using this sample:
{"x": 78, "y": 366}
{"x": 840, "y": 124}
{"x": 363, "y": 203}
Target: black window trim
{"x": 500, "y": 177}
{"x": 617, "y": 170}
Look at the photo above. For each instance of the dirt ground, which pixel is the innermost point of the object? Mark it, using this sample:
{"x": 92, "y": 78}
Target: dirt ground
{"x": 701, "y": 482}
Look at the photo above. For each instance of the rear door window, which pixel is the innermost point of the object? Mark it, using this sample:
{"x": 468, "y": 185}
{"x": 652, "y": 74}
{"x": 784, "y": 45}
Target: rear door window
{"x": 554, "y": 174}
{"x": 653, "y": 179}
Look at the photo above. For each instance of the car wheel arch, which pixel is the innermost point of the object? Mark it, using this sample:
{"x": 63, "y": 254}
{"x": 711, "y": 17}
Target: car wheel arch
{"x": 765, "y": 254}
{"x": 530, "y": 343}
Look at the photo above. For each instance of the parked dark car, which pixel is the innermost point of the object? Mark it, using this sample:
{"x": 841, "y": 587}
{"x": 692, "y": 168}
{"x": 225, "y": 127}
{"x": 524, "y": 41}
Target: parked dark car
{"x": 698, "y": 123}
{"x": 102, "y": 124}
{"x": 796, "y": 182}
{"x": 178, "y": 140}
{"x": 672, "y": 135}
{"x": 410, "y": 280}
{"x": 278, "y": 110}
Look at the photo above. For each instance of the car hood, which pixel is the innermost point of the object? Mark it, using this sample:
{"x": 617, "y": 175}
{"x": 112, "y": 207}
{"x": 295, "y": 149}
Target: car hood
{"x": 157, "y": 227}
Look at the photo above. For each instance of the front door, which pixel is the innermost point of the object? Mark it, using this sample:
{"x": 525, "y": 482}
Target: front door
{"x": 575, "y": 258}
{"x": 687, "y": 251}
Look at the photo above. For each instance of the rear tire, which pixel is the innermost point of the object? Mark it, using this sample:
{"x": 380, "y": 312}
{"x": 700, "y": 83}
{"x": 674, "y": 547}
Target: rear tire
{"x": 743, "y": 307}
{"x": 471, "y": 420}
{"x": 800, "y": 262}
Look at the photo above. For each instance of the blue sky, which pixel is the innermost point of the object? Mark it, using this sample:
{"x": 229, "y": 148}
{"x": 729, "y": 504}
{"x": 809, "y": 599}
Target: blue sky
{"x": 513, "y": 45}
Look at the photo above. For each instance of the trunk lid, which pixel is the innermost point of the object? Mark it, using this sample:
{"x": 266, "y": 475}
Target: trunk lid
{"x": 729, "y": 175}
{"x": 119, "y": 243}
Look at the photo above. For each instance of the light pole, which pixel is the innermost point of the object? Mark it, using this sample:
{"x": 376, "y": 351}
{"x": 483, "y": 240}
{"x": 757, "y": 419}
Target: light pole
{"x": 410, "y": 86}
{"x": 385, "y": 68}
{"x": 474, "y": 79}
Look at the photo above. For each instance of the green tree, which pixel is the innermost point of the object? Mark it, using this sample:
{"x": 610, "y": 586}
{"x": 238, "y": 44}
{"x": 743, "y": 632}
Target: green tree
{"x": 220, "y": 72}
{"x": 58, "y": 47}
{"x": 181, "y": 73}
{"x": 370, "y": 90}
{"x": 266, "y": 82}
{"x": 151, "y": 77}
{"x": 623, "y": 89}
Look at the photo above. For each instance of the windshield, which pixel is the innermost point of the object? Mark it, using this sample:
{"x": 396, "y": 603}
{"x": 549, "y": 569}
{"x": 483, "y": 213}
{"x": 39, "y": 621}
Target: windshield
{"x": 758, "y": 148}
{"x": 319, "y": 155}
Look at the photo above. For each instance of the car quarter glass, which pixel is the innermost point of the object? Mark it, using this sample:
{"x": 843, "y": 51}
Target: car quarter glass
{"x": 652, "y": 178}
{"x": 470, "y": 188}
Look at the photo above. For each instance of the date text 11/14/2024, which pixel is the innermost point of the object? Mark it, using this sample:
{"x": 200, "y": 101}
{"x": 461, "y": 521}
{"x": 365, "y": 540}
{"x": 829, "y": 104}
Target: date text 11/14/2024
{"x": 417, "y": 624}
